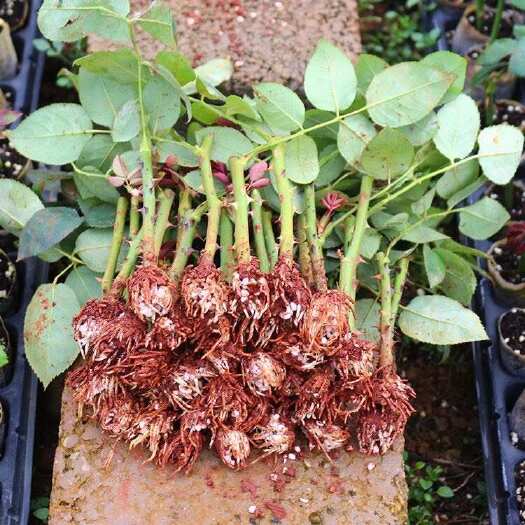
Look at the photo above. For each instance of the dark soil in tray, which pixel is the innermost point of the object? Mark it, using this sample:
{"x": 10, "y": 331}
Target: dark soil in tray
{"x": 512, "y": 328}
{"x": 488, "y": 20}
{"x": 7, "y": 278}
{"x": 6, "y": 371}
{"x": 517, "y": 212}
{"x": 12, "y": 164}
{"x": 507, "y": 264}
{"x": 444, "y": 430}
{"x": 513, "y": 114}
{"x": 14, "y": 12}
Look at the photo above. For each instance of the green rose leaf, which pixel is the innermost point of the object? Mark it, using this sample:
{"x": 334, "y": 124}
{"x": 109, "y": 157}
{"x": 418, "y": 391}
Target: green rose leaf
{"x": 367, "y": 319}
{"x": 55, "y": 134}
{"x": 457, "y": 178}
{"x": 434, "y": 266}
{"x": 93, "y": 247}
{"x": 458, "y": 127}
{"x": 422, "y": 234}
{"x": 162, "y": 104}
{"x": 483, "y": 219}
{"x": 126, "y": 125}
{"x": 421, "y": 131}
{"x": 405, "y": 93}
{"x": 84, "y": 283}
{"x": 301, "y": 160}
{"x": 460, "y": 281}
{"x": 500, "y": 150}
{"x": 45, "y": 229}
{"x": 159, "y": 23}
{"x": 387, "y": 155}
{"x": 48, "y": 334}
{"x": 215, "y": 72}
{"x": 100, "y": 151}
{"x": 329, "y": 80}
{"x": 101, "y": 216}
{"x": 366, "y": 68}
{"x": 235, "y": 105}
{"x": 355, "y": 132}
{"x": 279, "y": 106}
{"x": 184, "y": 154}
{"x": 103, "y": 96}
{"x": 331, "y": 165}
{"x": 452, "y": 63}
{"x": 465, "y": 192}
{"x": 17, "y": 205}
{"x": 517, "y": 59}
{"x": 176, "y": 65}
{"x": 227, "y": 142}
{"x": 439, "y": 320}
{"x": 121, "y": 65}
{"x": 70, "y": 20}
{"x": 95, "y": 185}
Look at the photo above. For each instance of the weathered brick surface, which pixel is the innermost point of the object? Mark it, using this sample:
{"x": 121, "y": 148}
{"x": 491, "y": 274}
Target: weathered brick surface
{"x": 99, "y": 483}
{"x": 267, "y": 40}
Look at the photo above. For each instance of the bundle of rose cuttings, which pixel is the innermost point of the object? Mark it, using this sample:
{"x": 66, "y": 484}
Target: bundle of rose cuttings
{"x": 232, "y": 269}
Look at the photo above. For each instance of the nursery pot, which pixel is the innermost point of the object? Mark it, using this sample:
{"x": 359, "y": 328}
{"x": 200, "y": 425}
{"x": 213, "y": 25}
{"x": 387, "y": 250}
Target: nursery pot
{"x": 14, "y": 12}
{"x": 6, "y": 371}
{"x": 7, "y": 282}
{"x": 510, "y": 293}
{"x": 511, "y": 324}
{"x": 466, "y": 35}
{"x": 517, "y": 209}
{"x": 8, "y": 58}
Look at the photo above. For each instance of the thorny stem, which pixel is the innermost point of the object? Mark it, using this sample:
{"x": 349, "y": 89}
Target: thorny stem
{"x": 353, "y": 240}
{"x": 285, "y": 190}
{"x": 316, "y": 251}
{"x": 134, "y": 216}
{"x": 242, "y": 231}
{"x": 227, "y": 252}
{"x": 131, "y": 257}
{"x": 163, "y": 217}
{"x": 189, "y": 226}
{"x": 269, "y": 237}
{"x": 305, "y": 261}
{"x": 386, "y": 357}
{"x": 214, "y": 203}
{"x": 116, "y": 243}
{"x": 148, "y": 188}
{"x": 258, "y": 234}
{"x": 184, "y": 206}
{"x": 399, "y": 283}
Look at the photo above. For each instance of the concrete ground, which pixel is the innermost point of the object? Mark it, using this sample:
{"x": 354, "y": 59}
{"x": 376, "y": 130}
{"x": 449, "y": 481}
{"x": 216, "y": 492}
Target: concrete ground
{"x": 99, "y": 482}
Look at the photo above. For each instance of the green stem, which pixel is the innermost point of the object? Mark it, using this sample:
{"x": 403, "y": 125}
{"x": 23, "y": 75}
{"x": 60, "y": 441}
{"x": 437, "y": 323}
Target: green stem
{"x": 353, "y": 239}
{"x": 316, "y": 251}
{"x": 496, "y": 25}
{"x": 214, "y": 203}
{"x": 269, "y": 237}
{"x": 386, "y": 357}
{"x": 134, "y": 216}
{"x": 227, "y": 252}
{"x": 305, "y": 261}
{"x": 116, "y": 243}
{"x": 163, "y": 219}
{"x": 480, "y": 9}
{"x": 189, "y": 227}
{"x": 184, "y": 207}
{"x": 399, "y": 284}
{"x": 131, "y": 257}
{"x": 242, "y": 230}
{"x": 258, "y": 234}
{"x": 508, "y": 195}
{"x": 285, "y": 189}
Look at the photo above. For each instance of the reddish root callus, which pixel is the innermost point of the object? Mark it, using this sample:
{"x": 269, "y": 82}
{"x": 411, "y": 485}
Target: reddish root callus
{"x": 233, "y": 447}
{"x": 316, "y": 400}
{"x": 385, "y": 411}
{"x": 205, "y": 294}
{"x": 326, "y": 437}
{"x": 262, "y": 373}
{"x": 91, "y": 319}
{"x": 171, "y": 331}
{"x": 276, "y": 436}
{"x": 325, "y": 325}
{"x": 295, "y": 353}
{"x": 251, "y": 301}
{"x": 290, "y": 293}
{"x": 151, "y": 292}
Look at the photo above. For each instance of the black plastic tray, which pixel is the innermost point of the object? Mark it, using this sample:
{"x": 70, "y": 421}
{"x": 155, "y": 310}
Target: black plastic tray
{"x": 19, "y": 396}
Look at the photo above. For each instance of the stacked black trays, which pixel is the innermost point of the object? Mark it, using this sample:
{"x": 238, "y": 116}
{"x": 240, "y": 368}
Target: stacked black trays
{"x": 497, "y": 389}
{"x": 18, "y": 396}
